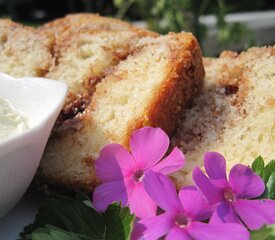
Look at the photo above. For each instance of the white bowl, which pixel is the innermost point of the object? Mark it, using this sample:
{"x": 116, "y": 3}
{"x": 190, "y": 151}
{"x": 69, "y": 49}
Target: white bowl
{"x": 41, "y": 99}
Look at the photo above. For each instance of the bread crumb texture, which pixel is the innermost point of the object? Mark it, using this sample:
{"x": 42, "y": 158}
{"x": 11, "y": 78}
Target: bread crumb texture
{"x": 84, "y": 58}
{"x": 235, "y": 115}
{"x": 23, "y": 51}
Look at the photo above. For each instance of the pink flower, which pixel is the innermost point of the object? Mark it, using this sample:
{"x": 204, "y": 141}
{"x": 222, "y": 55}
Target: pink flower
{"x": 183, "y": 215}
{"x": 232, "y": 197}
{"x": 121, "y": 173}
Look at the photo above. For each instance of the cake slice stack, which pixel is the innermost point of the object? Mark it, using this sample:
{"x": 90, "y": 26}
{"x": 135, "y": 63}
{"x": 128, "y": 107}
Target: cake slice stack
{"x": 121, "y": 78}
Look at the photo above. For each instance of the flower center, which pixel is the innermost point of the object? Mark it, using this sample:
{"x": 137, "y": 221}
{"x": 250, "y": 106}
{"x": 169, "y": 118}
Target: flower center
{"x": 138, "y": 175}
{"x": 181, "y": 220}
{"x": 229, "y": 195}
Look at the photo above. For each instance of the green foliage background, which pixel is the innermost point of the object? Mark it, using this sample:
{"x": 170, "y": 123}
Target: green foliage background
{"x": 164, "y": 16}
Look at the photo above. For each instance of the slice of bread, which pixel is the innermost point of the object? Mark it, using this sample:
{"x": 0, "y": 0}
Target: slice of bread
{"x": 150, "y": 87}
{"x": 236, "y": 113}
{"x": 87, "y": 46}
{"x": 23, "y": 51}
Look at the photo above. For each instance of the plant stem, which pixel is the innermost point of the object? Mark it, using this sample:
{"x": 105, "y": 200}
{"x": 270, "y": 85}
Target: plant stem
{"x": 124, "y": 8}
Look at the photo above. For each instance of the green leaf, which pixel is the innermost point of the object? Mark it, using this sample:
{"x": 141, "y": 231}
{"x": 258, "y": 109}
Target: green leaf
{"x": 267, "y": 173}
{"x": 70, "y": 215}
{"x": 64, "y": 218}
{"x": 53, "y": 233}
{"x": 119, "y": 222}
{"x": 265, "y": 233}
{"x": 268, "y": 170}
{"x": 270, "y": 185}
{"x": 258, "y": 165}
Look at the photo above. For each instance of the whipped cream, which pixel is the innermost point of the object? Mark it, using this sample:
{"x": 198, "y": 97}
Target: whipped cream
{"x": 12, "y": 122}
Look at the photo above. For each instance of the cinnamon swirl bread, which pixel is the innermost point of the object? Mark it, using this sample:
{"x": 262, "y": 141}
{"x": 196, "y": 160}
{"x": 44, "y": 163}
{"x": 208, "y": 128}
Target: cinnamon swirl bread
{"x": 150, "y": 87}
{"x": 235, "y": 115}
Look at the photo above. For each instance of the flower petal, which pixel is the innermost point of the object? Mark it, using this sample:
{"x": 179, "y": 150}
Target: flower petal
{"x": 153, "y": 227}
{"x": 177, "y": 233}
{"x": 173, "y": 162}
{"x": 194, "y": 204}
{"x": 224, "y": 213}
{"x": 114, "y": 163}
{"x": 162, "y": 190}
{"x": 215, "y": 166}
{"x": 255, "y": 213}
{"x": 245, "y": 183}
{"x": 212, "y": 193}
{"x": 138, "y": 230}
{"x": 228, "y": 231}
{"x": 140, "y": 203}
{"x": 110, "y": 192}
{"x": 148, "y": 145}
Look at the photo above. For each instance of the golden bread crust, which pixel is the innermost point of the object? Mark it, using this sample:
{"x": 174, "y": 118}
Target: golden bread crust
{"x": 74, "y": 22}
{"x": 183, "y": 85}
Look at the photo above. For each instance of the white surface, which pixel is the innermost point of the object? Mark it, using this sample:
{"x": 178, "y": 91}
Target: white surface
{"x": 41, "y": 99}
{"x": 253, "y": 20}
{"x": 23, "y": 214}
{"x": 260, "y": 24}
